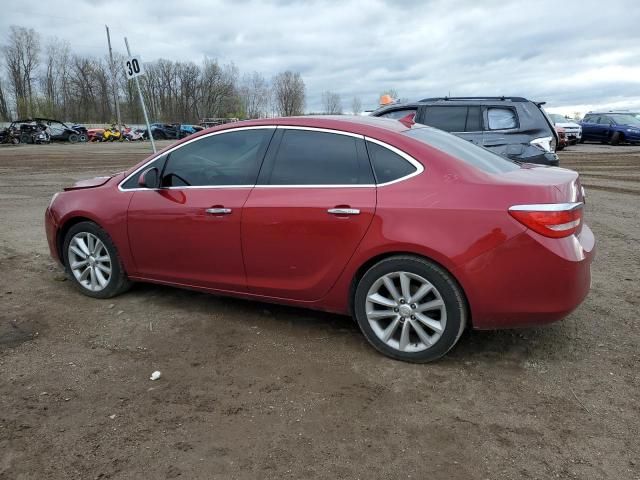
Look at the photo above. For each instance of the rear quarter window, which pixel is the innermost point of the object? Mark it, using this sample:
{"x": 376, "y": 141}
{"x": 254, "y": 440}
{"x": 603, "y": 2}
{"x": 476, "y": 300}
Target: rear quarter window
{"x": 387, "y": 165}
{"x": 472, "y": 154}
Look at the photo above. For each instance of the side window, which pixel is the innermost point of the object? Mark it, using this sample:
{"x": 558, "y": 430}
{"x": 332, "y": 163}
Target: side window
{"x": 132, "y": 182}
{"x": 605, "y": 120}
{"x": 501, "y": 118}
{"x": 319, "y": 158}
{"x": 449, "y": 119}
{"x": 396, "y": 114}
{"x": 230, "y": 158}
{"x": 387, "y": 165}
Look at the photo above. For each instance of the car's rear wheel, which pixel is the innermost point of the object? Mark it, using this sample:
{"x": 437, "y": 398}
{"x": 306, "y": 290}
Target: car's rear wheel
{"x": 617, "y": 138}
{"x": 73, "y": 138}
{"x": 410, "y": 309}
{"x": 92, "y": 261}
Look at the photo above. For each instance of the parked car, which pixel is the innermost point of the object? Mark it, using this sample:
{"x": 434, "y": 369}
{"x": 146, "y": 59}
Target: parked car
{"x": 62, "y": 132}
{"x": 415, "y": 232}
{"x": 572, "y": 129}
{"x": 562, "y": 138}
{"x": 95, "y": 134}
{"x": 611, "y": 127}
{"x": 170, "y": 131}
{"x": 513, "y": 127}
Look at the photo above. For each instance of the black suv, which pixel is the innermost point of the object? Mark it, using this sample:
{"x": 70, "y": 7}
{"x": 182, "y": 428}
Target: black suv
{"x": 513, "y": 127}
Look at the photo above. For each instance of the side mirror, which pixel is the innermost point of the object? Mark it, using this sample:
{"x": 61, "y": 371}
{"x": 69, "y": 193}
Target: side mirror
{"x": 149, "y": 178}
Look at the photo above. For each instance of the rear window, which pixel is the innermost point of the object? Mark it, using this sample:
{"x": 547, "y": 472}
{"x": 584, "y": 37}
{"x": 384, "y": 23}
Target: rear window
{"x": 476, "y": 156}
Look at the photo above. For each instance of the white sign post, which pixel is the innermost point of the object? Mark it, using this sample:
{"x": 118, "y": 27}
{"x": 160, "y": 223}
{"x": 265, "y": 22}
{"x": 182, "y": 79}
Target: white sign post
{"x": 133, "y": 69}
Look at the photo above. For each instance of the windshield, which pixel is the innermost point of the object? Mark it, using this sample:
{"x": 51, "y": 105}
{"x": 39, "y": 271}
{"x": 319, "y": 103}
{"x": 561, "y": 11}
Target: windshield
{"x": 557, "y": 118}
{"x": 476, "y": 156}
{"x": 625, "y": 119}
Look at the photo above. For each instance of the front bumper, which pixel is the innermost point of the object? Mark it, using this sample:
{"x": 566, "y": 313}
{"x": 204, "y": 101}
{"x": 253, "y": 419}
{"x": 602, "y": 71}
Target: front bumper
{"x": 51, "y": 229}
{"x": 530, "y": 280}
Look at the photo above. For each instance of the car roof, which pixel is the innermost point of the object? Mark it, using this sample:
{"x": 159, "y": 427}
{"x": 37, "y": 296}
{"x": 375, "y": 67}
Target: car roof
{"x": 363, "y": 125}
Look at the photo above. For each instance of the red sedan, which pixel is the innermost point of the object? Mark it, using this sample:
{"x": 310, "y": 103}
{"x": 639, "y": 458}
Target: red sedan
{"x": 413, "y": 231}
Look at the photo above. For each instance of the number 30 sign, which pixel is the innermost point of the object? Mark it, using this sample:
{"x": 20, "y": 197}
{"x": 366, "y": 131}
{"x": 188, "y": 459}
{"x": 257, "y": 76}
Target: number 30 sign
{"x": 133, "y": 67}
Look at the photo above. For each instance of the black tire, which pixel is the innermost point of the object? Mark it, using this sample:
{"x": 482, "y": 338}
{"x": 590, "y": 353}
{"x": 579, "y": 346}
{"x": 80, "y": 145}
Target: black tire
{"x": 73, "y": 138}
{"x": 451, "y": 293}
{"x": 617, "y": 138}
{"x": 581, "y": 140}
{"x": 159, "y": 136}
{"x": 118, "y": 281}
{"x": 26, "y": 138}
{"x": 82, "y": 138}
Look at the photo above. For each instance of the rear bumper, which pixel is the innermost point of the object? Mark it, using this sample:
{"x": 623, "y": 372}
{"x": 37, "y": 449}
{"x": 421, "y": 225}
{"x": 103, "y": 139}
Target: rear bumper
{"x": 529, "y": 280}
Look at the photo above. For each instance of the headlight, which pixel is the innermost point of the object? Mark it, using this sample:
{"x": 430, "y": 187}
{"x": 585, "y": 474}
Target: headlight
{"x": 546, "y": 144}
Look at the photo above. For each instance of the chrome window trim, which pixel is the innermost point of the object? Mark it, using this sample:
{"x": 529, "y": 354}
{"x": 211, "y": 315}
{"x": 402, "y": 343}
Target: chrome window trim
{"x": 547, "y": 207}
{"x": 254, "y": 127}
{"x": 418, "y": 166}
{"x": 320, "y": 129}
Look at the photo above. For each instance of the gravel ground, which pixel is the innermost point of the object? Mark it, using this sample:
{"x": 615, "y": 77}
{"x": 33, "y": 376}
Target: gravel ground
{"x": 251, "y": 390}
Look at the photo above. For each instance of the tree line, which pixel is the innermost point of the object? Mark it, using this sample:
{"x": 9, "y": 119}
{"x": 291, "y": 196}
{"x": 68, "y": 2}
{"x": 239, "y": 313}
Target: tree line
{"x": 47, "y": 79}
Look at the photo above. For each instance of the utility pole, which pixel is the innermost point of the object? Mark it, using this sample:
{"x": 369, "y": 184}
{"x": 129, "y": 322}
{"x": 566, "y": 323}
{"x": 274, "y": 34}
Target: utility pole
{"x": 116, "y": 100}
{"x": 144, "y": 109}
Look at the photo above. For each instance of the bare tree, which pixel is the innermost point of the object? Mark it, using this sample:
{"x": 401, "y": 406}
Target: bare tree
{"x": 289, "y": 93}
{"x": 332, "y": 105}
{"x": 4, "y": 106}
{"x": 356, "y": 106}
{"x": 22, "y": 56}
{"x": 254, "y": 93}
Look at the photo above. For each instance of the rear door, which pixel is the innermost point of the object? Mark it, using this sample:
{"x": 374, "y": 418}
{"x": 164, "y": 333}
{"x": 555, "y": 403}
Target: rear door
{"x": 313, "y": 203}
{"x": 590, "y": 127}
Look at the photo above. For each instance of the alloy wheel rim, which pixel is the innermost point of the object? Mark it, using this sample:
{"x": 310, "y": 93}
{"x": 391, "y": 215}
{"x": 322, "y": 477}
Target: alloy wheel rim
{"x": 89, "y": 261}
{"x": 406, "y": 312}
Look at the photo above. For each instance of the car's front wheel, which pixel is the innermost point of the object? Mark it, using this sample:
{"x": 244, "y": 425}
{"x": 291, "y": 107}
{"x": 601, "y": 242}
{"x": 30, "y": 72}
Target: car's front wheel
{"x": 410, "y": 309}
{"x": 92, "y": 262}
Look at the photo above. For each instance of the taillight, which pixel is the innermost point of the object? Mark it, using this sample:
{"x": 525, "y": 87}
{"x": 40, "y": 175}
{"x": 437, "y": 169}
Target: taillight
{"x": 546, "y": 144}
{"x": 555, "y": 220}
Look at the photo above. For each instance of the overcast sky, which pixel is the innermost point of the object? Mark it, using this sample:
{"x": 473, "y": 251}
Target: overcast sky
{"x": 576, "y": 55}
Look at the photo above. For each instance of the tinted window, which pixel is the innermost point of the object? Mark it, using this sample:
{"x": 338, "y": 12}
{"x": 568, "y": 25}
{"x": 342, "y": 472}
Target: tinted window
{"x": 398, "y": 113}
{"x": 317, "y": 158}
{"x": 231, "y": 158}
{"x": 604, "y": 121}
{"x": 449, "y": 119}
{"x": 501, "y": 118}
{"x": 132, "y": 182}
{"x": 479, "y": 157}
{"x": 387, "y": 165}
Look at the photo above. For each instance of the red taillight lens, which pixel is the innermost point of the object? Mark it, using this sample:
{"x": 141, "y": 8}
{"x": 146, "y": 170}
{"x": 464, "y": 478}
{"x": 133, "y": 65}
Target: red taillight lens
{"x": 555, "y": 220}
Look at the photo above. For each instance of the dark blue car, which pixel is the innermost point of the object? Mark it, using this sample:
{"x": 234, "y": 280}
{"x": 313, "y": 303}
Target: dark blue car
{"x": 611, "y": 127}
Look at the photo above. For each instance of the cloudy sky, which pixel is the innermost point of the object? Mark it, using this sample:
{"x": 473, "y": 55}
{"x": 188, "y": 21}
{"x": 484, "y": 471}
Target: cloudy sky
{"x": 576, "y": 55}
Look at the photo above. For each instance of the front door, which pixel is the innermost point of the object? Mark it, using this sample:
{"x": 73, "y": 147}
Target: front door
{"x": 188, "y": 230}
{"x": 313, "y": 204}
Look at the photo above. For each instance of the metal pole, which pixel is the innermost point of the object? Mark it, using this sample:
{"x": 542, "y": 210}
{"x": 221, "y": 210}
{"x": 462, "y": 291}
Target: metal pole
{"x": 113, "y": 80}
{"x": 144, "y": 109}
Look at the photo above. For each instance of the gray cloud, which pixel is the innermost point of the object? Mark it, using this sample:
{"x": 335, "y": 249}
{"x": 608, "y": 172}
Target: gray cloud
{"x": 575, "y": 54}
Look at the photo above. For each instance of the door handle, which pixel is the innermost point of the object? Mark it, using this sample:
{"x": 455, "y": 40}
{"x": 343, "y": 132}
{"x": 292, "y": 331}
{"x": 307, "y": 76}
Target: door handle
{"x": 344, "y": 211}
{"x": 218, "y": 211}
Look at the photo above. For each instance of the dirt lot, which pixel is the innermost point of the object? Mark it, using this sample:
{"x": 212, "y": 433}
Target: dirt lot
{"x": 253, "y": 390}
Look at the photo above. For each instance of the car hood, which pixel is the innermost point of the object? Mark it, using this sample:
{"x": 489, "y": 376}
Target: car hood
{"x": 567, "y": 125}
